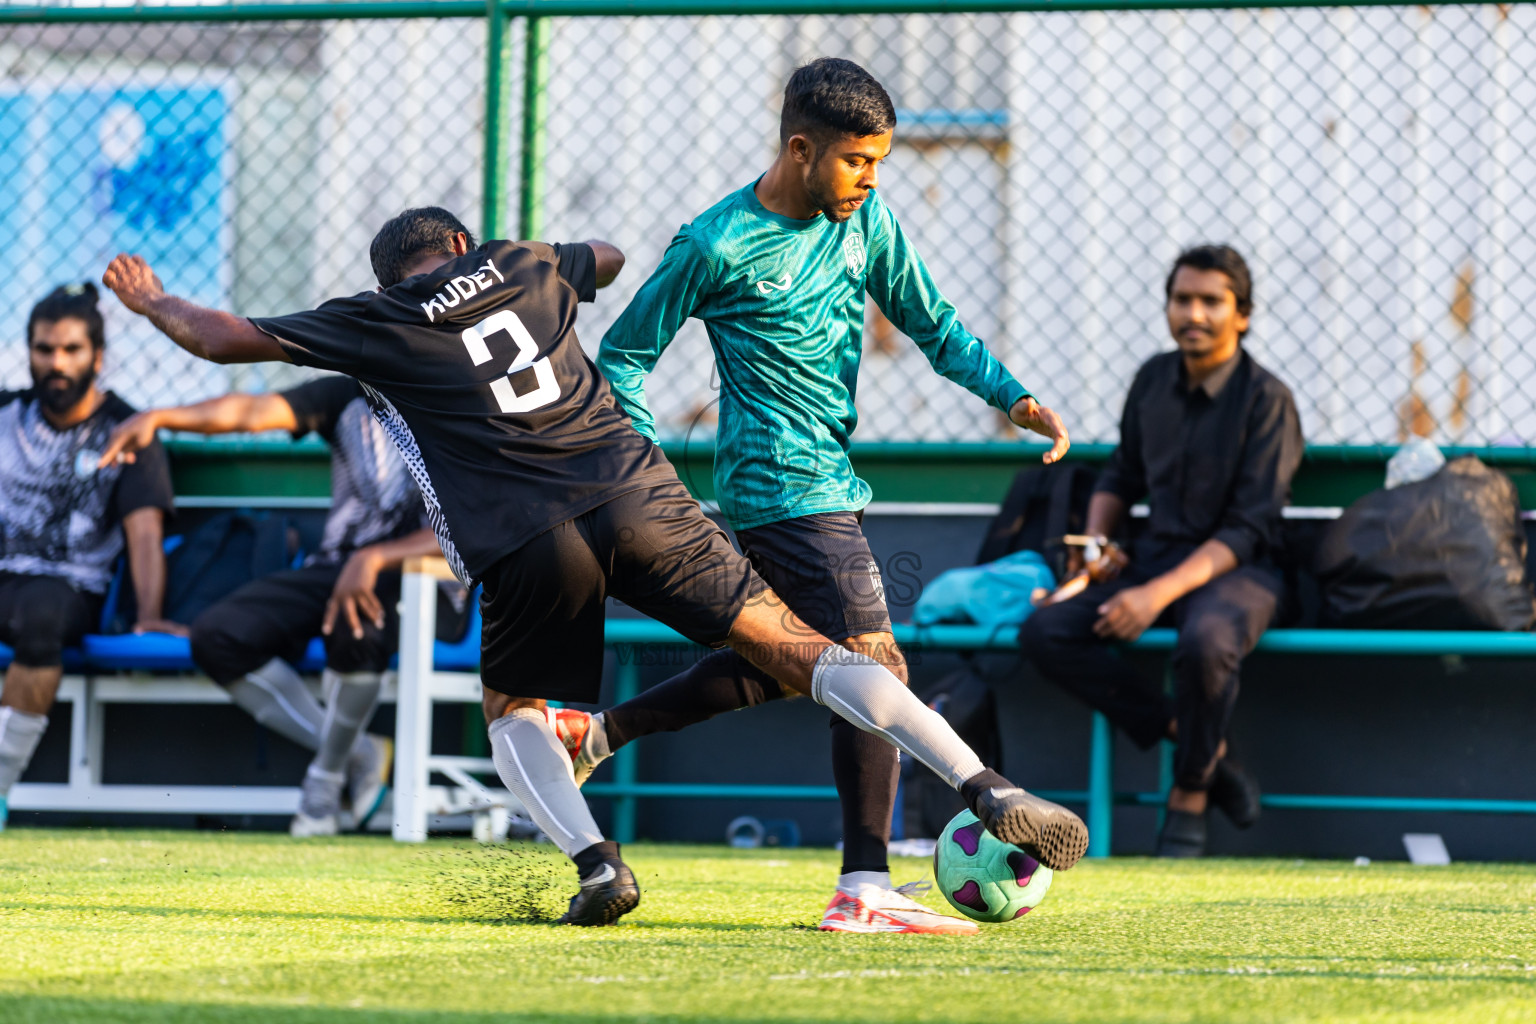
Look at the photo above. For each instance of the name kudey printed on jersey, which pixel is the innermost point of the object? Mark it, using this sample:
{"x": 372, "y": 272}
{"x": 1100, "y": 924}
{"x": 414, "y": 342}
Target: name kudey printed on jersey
{"x": 461, "y": 289}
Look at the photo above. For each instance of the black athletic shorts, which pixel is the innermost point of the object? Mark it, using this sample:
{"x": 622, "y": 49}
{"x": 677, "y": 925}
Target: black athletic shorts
{"x": 653, "y": 549}
{"x": 821, "y": 567}
{"x": 41, "y": 615}
{"x": 276, "y": 616}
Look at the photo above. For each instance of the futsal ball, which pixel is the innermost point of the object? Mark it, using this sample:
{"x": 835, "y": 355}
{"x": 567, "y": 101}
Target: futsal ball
{"x": 984, "y": 877}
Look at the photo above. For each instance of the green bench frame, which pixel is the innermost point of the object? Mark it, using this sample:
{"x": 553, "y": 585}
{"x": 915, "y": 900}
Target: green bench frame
{"x": 1100, "y": 797}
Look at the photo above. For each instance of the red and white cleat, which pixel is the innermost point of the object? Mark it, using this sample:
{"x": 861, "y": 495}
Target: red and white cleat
{"x": 889, "y": 910}
{"x": 574, "y": 730}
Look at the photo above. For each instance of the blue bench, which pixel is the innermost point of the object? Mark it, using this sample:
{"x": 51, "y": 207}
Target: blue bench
{"x": 1099, "y": 797}
{"x": 108, "y": 654}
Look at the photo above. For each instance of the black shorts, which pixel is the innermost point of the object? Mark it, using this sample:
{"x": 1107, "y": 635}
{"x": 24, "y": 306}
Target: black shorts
{"x": 821, "y": 567}
{"x": 276, "y": 616}
{"x": 41, "y": 615}
{"x": 653, "y": 549}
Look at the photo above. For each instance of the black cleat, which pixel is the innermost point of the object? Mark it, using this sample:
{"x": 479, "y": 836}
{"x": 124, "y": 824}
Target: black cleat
{"x": 1235, "y": 793}
{"x": 1183, "y": 835}
{"x": 605, "y": 897}
{"x": 1046, "y": 831}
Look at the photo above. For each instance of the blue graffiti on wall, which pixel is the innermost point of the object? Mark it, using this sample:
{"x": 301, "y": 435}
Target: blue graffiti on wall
{"x": 159, "y": 187}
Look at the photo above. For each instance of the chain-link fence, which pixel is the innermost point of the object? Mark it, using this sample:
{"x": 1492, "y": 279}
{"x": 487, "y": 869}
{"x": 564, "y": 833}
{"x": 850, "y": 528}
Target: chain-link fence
{"x": 1376, "y": 165}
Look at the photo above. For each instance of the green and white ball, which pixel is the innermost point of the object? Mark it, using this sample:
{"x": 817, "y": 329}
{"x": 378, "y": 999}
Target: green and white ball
{"x": 984, "y": 877}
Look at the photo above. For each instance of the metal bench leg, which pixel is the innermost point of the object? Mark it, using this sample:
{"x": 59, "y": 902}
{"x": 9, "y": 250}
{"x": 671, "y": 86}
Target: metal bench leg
{"x": 1101, "y": 788}
{"x": 413, "y": 711}
{"x": 87, "y": 740}
{"x": 626, "y": 685}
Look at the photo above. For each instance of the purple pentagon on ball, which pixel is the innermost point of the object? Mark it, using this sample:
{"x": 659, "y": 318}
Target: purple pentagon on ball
{"x": 969, "y": 838}
{"x": 1023, "y": 866}
{"x": 1021, "y": 912}
{"x": 970, "y": 896}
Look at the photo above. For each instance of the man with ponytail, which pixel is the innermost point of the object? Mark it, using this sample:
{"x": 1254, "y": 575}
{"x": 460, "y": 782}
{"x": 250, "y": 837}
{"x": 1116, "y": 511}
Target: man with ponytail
{"x": 63, "y": 520}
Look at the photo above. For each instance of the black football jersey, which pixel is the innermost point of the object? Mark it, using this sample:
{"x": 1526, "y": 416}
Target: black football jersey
{"x": 476, "y": 373}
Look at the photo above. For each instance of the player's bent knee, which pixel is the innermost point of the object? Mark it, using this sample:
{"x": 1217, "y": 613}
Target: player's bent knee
{"x": 881, "y": 647}
{"x": 498, "y": 705}
{"x": 217, "y": 652}
{"x": 36, "y": 650}
{"x": 347, "y": 653}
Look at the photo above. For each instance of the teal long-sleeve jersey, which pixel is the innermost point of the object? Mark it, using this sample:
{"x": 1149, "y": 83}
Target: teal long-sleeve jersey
{"x": 783, "y": 302}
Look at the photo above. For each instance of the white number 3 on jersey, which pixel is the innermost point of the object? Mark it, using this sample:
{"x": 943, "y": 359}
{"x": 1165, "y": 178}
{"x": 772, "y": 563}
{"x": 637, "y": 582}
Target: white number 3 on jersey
{"x": 506, "y": 322}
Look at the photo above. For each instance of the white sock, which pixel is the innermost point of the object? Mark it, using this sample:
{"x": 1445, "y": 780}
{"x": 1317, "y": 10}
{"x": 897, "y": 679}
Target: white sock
{"x": 864, "y": 692}
{"x": 596, "y": 740}
{"x": 20, "y": 732}
{"x": 856, "y": 883}
{"x": 533, "y": 764}
{"x": 276, "y": 697}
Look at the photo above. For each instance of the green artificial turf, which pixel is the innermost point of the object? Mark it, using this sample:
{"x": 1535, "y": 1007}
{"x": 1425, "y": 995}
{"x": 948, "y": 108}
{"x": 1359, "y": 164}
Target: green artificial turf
{"x": 161, "y": 926}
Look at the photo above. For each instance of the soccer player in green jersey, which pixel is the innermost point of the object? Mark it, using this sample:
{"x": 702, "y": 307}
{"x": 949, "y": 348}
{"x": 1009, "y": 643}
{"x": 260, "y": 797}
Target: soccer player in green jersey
{"x": 778, "y": 272}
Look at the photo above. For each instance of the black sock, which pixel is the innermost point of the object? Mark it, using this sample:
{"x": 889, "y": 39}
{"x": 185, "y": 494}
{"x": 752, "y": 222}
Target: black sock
{"x": 865, "y": 769}
{"x": 595, "y": 856}
{"x": 979, "y": 783}
{"x": 719, "y": 682}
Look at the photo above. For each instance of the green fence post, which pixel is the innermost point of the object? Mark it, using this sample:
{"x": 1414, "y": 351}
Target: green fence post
{"x": 1101, "y": 788}
{"x": 626, "y": 685}
{"x": 498, "y": 128}
{"x": 530, "y": 221}
{"x": 1164, "y": 762}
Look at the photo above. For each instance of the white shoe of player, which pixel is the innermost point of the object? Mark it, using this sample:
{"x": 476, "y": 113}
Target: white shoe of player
{"x": 890, "y": 910}
{"x": 303, "y": 826}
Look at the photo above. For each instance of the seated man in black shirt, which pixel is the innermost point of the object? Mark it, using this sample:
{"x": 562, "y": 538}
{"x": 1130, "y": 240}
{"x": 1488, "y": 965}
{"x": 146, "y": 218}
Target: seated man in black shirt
{"x": 1211, "y": 440}
{"x": 347, "y": 590}
{"x": 63, "y": 520}
{"x": 539, "y": 487}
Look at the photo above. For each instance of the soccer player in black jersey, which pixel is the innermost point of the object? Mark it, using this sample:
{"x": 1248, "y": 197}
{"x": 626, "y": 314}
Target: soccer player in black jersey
{"x": 541, "y": 490}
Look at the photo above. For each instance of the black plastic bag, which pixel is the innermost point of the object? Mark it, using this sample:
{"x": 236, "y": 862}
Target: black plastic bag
{"x": 1444, "y": 553}
{"x": 1041, "y": 506}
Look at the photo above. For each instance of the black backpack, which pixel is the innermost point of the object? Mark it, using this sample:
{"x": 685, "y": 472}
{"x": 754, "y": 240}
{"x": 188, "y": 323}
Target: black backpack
{"x": 969, "y": 705}
{"x": 225, "y": 552}
{"x": 1042, "y": 505}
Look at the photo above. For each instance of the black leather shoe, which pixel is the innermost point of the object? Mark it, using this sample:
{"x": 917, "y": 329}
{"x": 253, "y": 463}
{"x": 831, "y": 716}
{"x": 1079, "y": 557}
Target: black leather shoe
{"x": 1235, "y": 793}
{"x": 1183, "y": 835}
{"x": 1046, "y": 831}
{"x": 609, "y": 894}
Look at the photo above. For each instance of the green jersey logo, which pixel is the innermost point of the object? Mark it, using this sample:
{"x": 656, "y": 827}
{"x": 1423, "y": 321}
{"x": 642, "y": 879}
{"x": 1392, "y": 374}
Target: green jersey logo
{"x": 853, "y": 253}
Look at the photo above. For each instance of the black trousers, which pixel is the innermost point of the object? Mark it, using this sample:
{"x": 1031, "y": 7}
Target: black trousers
{"x": 1218, "y": 625}
{"x": 42, "y": 615}
{"x": 277, "y": 615}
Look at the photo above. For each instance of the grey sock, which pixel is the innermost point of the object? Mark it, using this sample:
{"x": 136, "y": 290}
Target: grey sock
{"x": 533, "y": 764}
{"x": 596, "y": 740}
{"x": 20, "y": 732}
{"x": 320, "y": 795}
{"x": 352, "y": 698}
{"x": 276, "y": 697}
{"x": 864, "y": 692}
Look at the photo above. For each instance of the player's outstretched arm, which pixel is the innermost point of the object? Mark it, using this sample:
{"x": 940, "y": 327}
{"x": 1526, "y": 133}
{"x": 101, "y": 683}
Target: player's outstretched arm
{"x": 1031, "y": 415}
{"x": 206, "y": 333}
{"x": 609, "y": 261}
{"x": 228, "y": 414}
